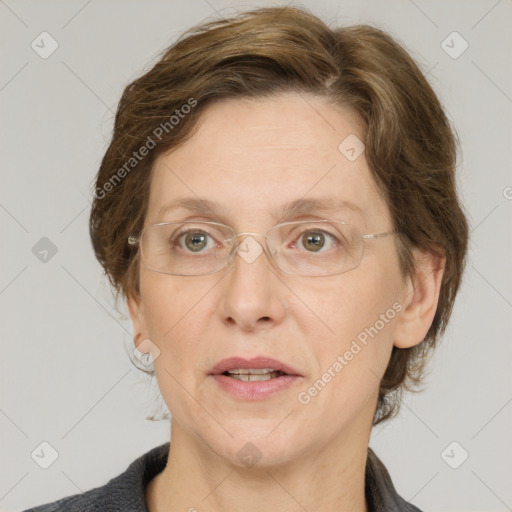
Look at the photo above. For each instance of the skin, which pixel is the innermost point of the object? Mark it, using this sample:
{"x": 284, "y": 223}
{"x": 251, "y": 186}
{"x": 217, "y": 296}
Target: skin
{"x": 254, "y": 156}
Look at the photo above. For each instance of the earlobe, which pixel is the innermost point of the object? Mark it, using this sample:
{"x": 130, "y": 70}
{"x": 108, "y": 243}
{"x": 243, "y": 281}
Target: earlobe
{"x": 420, "y": 300}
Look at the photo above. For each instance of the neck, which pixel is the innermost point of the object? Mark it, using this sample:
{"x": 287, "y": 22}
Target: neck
{"x": 331, "y": 477}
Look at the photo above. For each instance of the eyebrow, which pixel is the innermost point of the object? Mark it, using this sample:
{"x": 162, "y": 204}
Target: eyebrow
{"x": 328, "y": 205}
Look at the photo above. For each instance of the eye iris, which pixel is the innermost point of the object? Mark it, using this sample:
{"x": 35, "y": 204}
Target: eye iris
{"x": 313, "y": 240}
{"x": 194, "y": 239}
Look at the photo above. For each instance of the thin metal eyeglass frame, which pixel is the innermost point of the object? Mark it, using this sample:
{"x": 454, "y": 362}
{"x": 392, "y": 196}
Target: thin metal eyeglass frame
{"x": 135, "y": 240}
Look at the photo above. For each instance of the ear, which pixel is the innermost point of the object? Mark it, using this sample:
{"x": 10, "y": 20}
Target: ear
{"x": 136, "y": 309}
{"x": 420, "y": 300}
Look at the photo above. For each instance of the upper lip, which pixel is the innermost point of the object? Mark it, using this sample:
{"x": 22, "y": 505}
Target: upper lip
{"x": 232, "y": 363}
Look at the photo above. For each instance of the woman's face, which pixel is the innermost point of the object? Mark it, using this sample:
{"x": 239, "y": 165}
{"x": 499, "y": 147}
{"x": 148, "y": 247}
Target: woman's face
{"x": 252, "y": 158}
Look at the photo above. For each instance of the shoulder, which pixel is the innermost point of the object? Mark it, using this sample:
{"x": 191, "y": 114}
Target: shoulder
{"x": 124, "y": 492}
{"x": 380, "y": 491}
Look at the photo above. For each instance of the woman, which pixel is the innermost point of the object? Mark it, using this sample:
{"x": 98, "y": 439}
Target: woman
{"x": 278, "y": 208}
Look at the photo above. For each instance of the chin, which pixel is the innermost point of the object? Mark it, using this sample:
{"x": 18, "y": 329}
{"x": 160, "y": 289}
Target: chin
{"x": 258, "y": 444}
{"x": 259, "y": 455}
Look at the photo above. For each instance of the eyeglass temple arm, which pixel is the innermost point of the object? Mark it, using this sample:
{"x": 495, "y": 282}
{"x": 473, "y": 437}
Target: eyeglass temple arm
{"x": 380, "y": 235}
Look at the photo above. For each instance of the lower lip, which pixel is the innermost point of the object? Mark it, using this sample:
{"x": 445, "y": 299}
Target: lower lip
{"x": 258, "y": 390}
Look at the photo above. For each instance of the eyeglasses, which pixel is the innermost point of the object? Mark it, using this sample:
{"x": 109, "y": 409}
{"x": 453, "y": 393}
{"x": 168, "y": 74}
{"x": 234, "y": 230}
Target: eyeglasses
{"x": 306, "y": 248}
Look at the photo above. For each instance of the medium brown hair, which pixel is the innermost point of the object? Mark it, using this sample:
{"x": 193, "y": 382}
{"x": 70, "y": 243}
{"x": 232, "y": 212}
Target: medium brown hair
{"x": 410, "y": 145}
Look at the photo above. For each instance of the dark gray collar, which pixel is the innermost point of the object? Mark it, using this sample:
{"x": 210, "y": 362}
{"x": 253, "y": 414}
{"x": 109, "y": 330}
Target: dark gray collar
{"x": 381, "y": 495}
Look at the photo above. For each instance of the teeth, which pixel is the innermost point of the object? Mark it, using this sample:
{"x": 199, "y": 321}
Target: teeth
{"x": 255, "y": 371}
{"x": 253, "y": 377}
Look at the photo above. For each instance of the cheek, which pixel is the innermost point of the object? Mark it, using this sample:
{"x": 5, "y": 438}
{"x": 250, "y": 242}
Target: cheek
{"x": 168, "y": 300}
{"x": 344, "y": 306}
{"x": 175, "y": 317}
{"x": 360, "y": 310}
{"x": 349, "y": 370}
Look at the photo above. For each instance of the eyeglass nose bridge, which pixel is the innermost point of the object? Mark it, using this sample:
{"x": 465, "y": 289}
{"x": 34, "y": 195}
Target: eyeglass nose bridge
{"x": 265, "y": 246}
{"x": 248, "y": 233}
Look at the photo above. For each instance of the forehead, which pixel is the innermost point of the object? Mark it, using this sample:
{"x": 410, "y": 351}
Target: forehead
{"x": 268, "y": 157}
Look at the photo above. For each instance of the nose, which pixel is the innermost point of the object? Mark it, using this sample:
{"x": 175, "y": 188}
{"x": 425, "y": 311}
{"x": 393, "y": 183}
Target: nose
{"x": 253, "y": 295}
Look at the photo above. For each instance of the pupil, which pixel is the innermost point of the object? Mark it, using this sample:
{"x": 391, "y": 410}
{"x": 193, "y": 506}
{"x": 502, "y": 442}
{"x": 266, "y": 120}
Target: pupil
{"x": 314, "y": 241}
{"x": 194, "y": 238}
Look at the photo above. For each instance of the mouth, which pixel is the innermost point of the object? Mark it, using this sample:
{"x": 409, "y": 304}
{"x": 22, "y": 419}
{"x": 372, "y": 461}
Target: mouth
{"x": 253, "y": 374}
{"x": 254, "y": 379}
{"x": 252, "y": 370}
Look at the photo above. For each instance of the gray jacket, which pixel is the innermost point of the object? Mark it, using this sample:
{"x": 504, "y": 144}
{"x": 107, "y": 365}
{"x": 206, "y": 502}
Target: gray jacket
{"x": 126, "y": 492}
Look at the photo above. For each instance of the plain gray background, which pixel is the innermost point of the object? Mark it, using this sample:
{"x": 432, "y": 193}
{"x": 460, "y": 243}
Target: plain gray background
{"x": 66, "y": 378}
